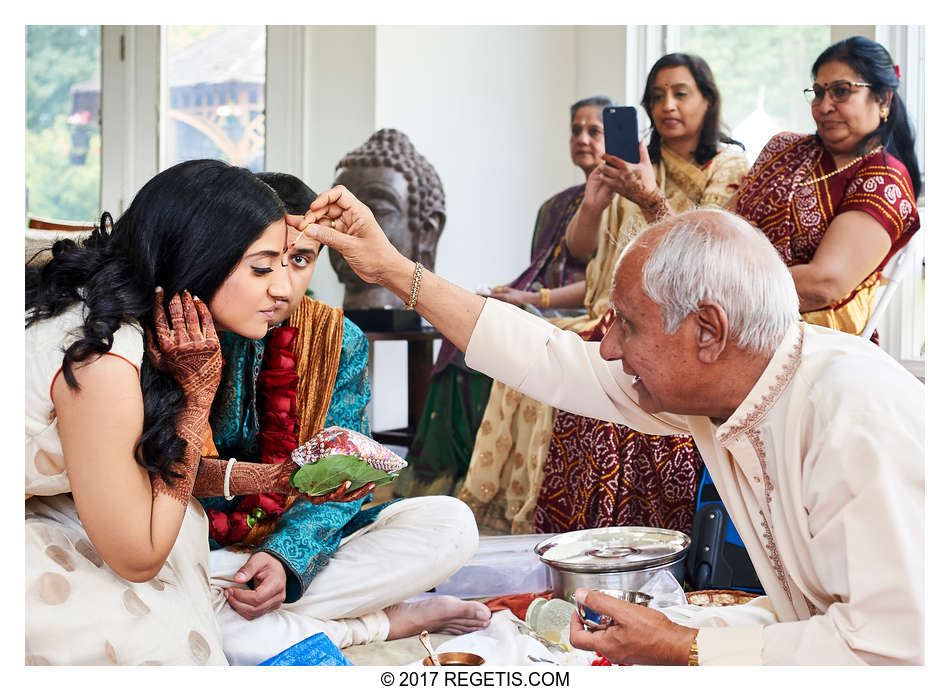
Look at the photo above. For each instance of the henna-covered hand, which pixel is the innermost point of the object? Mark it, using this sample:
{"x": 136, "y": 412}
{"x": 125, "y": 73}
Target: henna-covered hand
{"x": 252, "y": 478}
{"x": 283, "y": 486}
{"x": 188, "y": 351}
{"x": 637, "y": 182}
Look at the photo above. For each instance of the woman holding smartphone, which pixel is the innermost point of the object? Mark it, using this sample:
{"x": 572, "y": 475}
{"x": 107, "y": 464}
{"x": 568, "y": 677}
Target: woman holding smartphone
{"x": 696, "y": 164}
{"x": 688, "y": 162}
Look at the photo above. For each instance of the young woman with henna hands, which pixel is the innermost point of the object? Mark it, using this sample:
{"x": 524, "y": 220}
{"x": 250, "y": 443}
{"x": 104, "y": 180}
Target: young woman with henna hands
{"x": 117, "y": 558}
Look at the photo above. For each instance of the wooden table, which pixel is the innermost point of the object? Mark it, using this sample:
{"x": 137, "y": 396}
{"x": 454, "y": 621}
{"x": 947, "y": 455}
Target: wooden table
{"x": 419, "y": 367}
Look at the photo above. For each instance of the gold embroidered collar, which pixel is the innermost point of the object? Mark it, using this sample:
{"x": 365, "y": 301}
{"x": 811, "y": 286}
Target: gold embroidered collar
{"x": 772, "y": 384}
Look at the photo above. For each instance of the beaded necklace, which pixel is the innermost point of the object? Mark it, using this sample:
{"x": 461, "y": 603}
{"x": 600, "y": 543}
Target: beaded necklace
{"x": 814, "y": 181}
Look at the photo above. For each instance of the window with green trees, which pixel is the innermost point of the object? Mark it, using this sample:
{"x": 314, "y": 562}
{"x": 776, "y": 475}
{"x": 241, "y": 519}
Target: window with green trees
{"x": 63, "y": 136}
{"x": 760, "y": 72}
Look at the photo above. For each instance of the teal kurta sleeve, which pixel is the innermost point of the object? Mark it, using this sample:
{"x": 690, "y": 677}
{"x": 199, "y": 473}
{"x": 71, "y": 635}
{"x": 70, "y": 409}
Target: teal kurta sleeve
{"x": 306, "y": 537}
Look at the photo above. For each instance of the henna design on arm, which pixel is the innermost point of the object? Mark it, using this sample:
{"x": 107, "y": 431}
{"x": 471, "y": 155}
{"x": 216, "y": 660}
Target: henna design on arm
{"x": 246, "y": 478}
{"x": 655, "y": 206}
{"x": 190, "y": 352}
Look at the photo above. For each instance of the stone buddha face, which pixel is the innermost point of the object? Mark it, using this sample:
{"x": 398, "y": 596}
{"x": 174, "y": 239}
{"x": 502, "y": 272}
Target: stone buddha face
{"x": 386, "y": 192}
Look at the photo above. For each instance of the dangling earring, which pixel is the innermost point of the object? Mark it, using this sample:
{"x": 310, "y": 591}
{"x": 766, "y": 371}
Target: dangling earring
{"x": 885, "y": 111}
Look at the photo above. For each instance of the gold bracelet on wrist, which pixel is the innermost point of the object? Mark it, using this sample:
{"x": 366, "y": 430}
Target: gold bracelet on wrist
{"x": 414, "y": 291}
{"x": 545, "y": 298}
{"x": 693, "y": 660}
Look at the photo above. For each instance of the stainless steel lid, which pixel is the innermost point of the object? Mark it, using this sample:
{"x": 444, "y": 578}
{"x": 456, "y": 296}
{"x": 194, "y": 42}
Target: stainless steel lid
{"x": 619, "y": 548}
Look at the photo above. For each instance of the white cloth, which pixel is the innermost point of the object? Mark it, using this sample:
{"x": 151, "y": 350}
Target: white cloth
{"x": 412, "y": 546}
{"x": 78, "y": 610}
{"x": 820, "y": 468}
{"x": 756, "y": 612}
{"x": 502, "y": 643}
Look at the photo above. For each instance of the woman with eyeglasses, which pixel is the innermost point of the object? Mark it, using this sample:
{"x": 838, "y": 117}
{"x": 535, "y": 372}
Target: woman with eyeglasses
{"x": 839, "y": 203}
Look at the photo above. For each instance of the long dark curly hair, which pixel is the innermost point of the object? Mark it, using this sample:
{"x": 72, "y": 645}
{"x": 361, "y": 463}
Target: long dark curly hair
{"x": 187, "y": 228}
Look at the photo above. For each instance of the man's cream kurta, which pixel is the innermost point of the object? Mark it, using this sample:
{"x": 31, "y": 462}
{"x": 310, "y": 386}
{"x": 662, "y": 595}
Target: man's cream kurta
{"x": 821, "y": 469}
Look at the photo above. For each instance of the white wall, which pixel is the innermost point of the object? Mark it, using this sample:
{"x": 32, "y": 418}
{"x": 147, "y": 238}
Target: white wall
{"x": 601, "y": 64}
{"x": 338, "y": 107}
{"x": 488, "y": 107}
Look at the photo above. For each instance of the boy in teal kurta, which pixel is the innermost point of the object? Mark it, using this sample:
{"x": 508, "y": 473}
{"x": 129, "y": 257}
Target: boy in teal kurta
{"x": 305, "y": 535}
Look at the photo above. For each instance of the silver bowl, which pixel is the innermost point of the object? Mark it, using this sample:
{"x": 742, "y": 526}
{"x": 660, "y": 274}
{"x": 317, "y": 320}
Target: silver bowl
{"x": 623, "y": 567}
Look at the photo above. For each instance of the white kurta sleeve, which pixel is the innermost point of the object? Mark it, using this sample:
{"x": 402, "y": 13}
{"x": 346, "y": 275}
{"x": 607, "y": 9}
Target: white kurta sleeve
{"x": 558, "y": 368}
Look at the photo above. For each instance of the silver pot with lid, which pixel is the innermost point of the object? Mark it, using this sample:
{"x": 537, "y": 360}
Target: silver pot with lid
{"x": 615, "y": 558}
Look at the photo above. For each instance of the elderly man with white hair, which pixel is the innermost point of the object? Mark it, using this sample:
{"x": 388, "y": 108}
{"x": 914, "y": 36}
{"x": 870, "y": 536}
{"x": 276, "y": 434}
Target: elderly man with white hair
{"x": 814, "y": 438}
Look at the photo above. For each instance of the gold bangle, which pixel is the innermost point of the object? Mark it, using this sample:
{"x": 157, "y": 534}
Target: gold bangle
{"x": 414, "y": 291}
{"x": 545, "y": 298}
{"x": 693, "y": 660}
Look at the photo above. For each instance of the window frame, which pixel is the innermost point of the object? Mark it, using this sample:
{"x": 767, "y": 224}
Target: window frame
{"x": 131, "y": 69}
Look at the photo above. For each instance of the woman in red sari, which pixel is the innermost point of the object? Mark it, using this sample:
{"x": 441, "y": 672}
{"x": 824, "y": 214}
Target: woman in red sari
{"x": 839, "y": 203}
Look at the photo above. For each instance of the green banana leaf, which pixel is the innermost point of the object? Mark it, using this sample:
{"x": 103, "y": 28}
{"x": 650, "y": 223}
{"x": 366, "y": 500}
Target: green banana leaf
{"x": 330, "y": 472}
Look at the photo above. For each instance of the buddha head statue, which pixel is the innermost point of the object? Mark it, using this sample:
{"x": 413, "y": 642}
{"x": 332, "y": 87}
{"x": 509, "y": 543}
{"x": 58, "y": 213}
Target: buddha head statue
{"x": 405, "y": 195}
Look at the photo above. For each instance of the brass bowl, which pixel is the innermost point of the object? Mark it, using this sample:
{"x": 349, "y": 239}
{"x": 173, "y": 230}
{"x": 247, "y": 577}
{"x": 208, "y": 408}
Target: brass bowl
{"x": 456, "y": 660}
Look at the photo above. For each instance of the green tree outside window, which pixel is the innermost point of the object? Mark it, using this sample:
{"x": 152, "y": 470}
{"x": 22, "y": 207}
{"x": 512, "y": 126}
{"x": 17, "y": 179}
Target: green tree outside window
{"x": 63, "y": 138}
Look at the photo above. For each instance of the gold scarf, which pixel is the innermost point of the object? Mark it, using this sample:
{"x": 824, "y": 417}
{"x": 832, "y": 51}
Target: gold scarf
{"x": 317, "y": 349}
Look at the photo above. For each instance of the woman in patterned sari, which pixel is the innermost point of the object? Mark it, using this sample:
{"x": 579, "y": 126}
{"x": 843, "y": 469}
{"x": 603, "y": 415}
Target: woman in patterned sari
{"x": 439, "y": 454}
{"x": 116, "y": 546}
{"x": 838, "y": 204}
{"x": 511, "y": 454}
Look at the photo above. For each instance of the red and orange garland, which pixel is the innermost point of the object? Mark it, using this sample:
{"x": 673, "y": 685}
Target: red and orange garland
{"x": 277, "y": 438}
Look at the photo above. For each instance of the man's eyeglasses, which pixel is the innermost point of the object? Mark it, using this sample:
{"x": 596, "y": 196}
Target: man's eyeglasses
{"x": 839, "y": 91}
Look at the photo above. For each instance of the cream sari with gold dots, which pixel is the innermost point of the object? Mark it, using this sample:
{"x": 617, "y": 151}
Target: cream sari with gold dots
{"x": 78, "y": 610}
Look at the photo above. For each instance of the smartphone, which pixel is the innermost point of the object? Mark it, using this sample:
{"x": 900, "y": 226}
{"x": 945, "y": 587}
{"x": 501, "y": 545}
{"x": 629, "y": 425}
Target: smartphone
{"x": 620, "y": 133}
